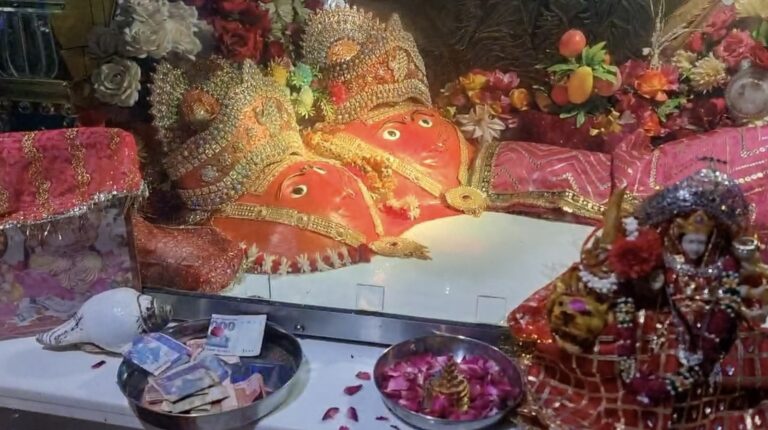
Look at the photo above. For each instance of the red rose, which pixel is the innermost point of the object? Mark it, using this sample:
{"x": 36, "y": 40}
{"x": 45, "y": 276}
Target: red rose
{"x": 717, "y": 24}
{"x": 696, "y": 42}
{"x": 735, "y": 47}
{"x": 706, "y": 113}
{"x": 338, "y": 93}
{"x": 635, "y": 258}
{"x": 255, "y": 16}
{"x": 759, "y": 54}
{"x": 238, "y": 42}
{"x": 275, "y": 50}
{"x": 231, "y": 6}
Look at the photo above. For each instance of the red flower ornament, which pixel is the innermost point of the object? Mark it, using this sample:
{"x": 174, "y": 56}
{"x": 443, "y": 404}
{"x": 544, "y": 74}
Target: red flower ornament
{"x": 759, "y": 54}
{"x": 734, "y": 48}
{"x": 635, "y": 258}
{"x": 718, "y": 23}
{"x": 238, "y": 42}
{"x": 338, "y": 93}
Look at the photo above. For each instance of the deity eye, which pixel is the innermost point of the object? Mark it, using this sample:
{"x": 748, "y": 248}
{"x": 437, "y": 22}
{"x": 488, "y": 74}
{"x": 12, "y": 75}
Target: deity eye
{"x": 299, "y": 191}
{"x": 391, "y": 134}
{"x": 320, "y": 170}
{"x": 425, "y": 122}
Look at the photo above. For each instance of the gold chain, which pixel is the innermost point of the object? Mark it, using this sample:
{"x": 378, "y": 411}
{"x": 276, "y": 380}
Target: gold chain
{"x": 314, "y": 223}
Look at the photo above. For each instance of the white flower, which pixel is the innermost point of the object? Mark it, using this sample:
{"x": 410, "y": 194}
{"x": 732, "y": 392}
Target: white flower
{"x": 181, "y": 27}
{"x": 117, "y": 82}
{"x": 155, "y": 11}
{"x": 182, "y": 12}
{"x": 144, "y": 38}
{"x": 104, "y": 42}
{"x": 480, "y": 124}
{"x": 330, "y": 4}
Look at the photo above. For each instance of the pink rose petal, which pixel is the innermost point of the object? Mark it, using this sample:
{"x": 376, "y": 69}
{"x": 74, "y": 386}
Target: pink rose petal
{"x": 353, "y": 389}
{"x": 352, "y": 413}
{"x": 363, "y": 376}
{"x": 381, "y": 418}
{"x": 330, "y": 413}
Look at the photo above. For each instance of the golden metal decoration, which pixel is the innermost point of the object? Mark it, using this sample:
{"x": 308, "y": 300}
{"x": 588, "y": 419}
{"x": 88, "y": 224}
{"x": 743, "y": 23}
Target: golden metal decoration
{"x": 451, "y": 384}
{"x": 400, "y": 247}
{"x": 469, "y": 200}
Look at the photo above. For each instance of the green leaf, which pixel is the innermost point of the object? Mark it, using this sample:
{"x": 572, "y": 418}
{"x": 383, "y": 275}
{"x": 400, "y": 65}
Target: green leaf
{"x": 669, "y": 107}
{"x": 284, "y": 10}
{"x": 581, "y": 117}
{"x": 604, "y": 75}
{"x": 568, "y": 114}
{"x": 562, "y": 67}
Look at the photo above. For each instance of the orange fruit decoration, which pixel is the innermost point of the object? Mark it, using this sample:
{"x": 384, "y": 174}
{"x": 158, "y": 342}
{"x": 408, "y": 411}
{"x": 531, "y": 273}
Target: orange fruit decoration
{"x": 559, "y": 94}
{"x": 580, "y": 85}
{"x": 572, "y": 43}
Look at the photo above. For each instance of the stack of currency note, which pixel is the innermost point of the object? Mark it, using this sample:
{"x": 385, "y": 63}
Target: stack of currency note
{"x": 206, "y": 375}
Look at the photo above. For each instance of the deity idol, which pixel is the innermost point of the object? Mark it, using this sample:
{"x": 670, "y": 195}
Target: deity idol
{"x": 415, "y": 162}
{"x": 658, "y": 325}
{"x": 234, "y": 152}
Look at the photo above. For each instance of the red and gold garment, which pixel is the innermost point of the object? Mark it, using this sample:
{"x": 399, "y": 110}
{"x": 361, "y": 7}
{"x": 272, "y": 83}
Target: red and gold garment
{"x": 53, "y": 174}
{"x": 652, "y": 329}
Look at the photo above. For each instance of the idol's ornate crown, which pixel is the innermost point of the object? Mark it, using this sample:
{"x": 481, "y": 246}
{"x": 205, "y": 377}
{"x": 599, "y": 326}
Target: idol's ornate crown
{"x": 707, "y": 190}
{"x": 376, "y": 63}
{"x": 221, "y": 124}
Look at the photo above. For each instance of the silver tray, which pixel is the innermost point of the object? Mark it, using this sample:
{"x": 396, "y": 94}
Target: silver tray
{"x": 279, "y": 346}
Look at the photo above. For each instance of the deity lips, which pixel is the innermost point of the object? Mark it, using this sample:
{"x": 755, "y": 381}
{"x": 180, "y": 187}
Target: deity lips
{"x": 311, "y": 216}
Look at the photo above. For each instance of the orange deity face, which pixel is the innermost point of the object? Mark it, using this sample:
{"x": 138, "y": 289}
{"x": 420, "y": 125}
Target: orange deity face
{"x": 312, "y": 213}
{"x": 430, "y": 157}
{"x": 419, "y": 135}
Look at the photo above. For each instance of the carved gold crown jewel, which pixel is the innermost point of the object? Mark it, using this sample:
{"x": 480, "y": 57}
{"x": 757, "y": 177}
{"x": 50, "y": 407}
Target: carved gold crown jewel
{"x": 221, "y": 125}
{"x": 377, "y": 63}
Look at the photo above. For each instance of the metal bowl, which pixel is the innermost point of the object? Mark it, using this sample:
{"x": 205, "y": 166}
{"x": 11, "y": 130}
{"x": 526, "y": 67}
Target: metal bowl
{"x": 279, "y": 346}
{"x": 459, "y": 347}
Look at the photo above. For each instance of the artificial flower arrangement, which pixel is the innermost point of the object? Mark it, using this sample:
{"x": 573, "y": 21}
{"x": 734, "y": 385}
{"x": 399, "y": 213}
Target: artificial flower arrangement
{"x": 672, "y": 92}
{"x": 483, "y": 103}
{"x": 144, "y": 32}
{"x": 142, "y": 29}
{"x": 310, "y": 100}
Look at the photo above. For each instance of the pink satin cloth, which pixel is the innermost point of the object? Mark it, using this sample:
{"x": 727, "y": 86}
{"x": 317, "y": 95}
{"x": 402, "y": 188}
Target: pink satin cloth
{"x": 49, "y": 174}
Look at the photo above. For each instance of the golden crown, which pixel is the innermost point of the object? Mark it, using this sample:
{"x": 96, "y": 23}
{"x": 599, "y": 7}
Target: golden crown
{"x": 376, "y": 63}
{"x": 220, "y": 124}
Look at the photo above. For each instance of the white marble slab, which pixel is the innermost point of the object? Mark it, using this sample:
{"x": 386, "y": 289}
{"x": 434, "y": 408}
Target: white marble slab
{"x": 63, "y": 384}
{"x": 481, "y": 268}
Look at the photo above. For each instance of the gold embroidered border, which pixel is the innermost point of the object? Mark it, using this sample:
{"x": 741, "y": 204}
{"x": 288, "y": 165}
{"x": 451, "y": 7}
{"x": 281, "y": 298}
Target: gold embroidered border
{"x": 4, "y": 204}
{"x": 77, "y": 151}
{"x": 567, "y": 200}
{"x": 304, "y": 221}
{"x": 36, "y": 175}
